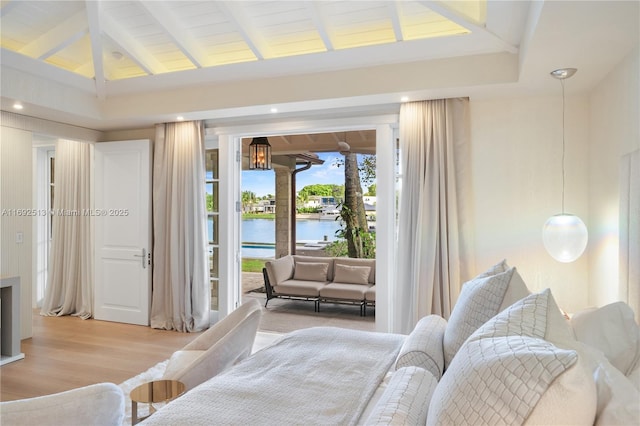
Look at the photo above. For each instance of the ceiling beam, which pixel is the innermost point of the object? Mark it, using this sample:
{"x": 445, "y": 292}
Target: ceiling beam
{"x": 59, "y": 37}
{"x": 394, "y": 15}
{"x": 441, "y": 9}
{"x": 320, "y": 23}
{"x": 133, "y": 48}
{"x": 93, "y": 20}
{"x": 235, "y": 13}
{"x": 181, "y": 38}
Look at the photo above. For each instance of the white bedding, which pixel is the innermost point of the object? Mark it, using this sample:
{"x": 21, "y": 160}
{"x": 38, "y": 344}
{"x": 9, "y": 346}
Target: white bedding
{"x": 320, "y": 375}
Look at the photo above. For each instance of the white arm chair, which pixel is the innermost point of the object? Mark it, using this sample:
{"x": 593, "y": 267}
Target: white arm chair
{"x": 224, "y": 344}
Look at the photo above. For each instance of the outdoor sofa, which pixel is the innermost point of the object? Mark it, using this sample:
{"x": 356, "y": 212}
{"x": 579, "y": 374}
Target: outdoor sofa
{"x": 341, "y": 280}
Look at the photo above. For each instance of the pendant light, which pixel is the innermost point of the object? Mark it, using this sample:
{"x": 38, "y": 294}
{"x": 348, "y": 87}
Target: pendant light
{"x": 260, "y": 154}
{"x": 564, "y": 235}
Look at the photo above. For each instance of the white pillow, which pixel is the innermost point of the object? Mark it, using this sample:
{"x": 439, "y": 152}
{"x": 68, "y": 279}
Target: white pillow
{"x": 506, "y": 373}
{"x": 309, "y": 271}
{"x": 349, "y": 274}
{"x": 481, "y": 299}
{"x": 612, "y": 330}
{"x": 423, "y": 347}
{"x": 405, "y": 401}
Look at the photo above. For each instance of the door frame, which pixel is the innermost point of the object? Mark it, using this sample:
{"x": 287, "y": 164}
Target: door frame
{"x": 229, "y": 144}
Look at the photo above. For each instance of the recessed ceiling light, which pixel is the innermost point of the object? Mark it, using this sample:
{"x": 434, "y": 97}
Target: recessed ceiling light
{"x": 17, "y": 105}
{"x": 117, "y": 55}
{"x": 180, "y": 118}
{"x": 404, "y": 99}
{"x": 274, "y": 110}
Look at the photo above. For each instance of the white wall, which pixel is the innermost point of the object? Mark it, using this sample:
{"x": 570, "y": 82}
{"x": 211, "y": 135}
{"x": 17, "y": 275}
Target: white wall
{"x": 614, "y": 130}
{"x": 15, "y": 194}
{"x": 517, "y": 178}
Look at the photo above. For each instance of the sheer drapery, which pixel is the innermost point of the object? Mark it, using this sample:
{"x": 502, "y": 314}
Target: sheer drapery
{"x": 181, "y": 298}
{"x": 70, "y": 283}
{"x": 630, "y": 230}
{"x": 434, "y": 235}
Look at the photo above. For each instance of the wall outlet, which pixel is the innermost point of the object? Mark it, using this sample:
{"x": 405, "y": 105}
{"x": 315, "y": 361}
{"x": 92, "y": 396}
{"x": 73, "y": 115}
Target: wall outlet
{"x": 19, "y": 237}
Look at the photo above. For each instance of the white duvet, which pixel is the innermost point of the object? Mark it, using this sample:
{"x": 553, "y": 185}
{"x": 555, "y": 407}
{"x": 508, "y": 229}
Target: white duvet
{"x": 321, "y": 375}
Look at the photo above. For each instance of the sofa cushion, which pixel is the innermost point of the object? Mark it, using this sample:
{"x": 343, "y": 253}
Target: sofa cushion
{"x": 359, "y": 262}
{"x": 279, "y": 270}
{"x": 613, "y": 330}
{"x": 370, "y": 294}
{"x": 506, "y": 373}
{"x": 316, "y": 259}
{"x": 349, "y": 274}
{"x": 480, "y": 299}
{"x": 423, "y": 347}
{"x": 405, "y": 400}
{"x": 343, "y": 291}
{"x": 300, "y": 288}
{"x": 310, "y": 271}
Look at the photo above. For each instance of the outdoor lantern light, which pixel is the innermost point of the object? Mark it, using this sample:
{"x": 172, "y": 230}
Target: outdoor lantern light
{"x": 564, "y": 235}
{"x": 260, "y": 154}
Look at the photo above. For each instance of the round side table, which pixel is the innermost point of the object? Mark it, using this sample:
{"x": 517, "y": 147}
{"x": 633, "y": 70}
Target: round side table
{"x": 154, "y": 392}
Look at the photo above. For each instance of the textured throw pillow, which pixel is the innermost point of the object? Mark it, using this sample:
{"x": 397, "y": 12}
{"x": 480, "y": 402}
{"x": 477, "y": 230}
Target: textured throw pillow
{"x": 613, "y": 330}
{"x": 423, "y": 347}
{"x": 480, "y": 300}
{"x": 279, "y": 270}
{"x": 309, "y": 271}
{"x": 405, "y": 401}
{"x": 348, "y": 274}
{"x": 507, "y": 373}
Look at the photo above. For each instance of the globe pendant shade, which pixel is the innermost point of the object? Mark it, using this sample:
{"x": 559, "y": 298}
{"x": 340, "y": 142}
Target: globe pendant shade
{"x": 565, "y": 237}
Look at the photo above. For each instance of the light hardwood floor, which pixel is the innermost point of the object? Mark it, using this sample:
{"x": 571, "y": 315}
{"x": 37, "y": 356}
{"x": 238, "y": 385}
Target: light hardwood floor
{"x": 67, "y": 352}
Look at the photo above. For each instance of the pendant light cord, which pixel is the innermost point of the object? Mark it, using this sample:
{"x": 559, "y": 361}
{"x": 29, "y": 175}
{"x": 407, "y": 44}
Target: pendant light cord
{"x": 563, "y": 144}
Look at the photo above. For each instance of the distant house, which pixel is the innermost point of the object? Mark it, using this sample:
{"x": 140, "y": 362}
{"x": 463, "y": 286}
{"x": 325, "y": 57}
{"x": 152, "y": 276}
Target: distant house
{"x": 320, "y": 201}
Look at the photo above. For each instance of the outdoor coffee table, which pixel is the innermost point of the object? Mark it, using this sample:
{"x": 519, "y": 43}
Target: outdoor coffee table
{"x": 154, "y": 392}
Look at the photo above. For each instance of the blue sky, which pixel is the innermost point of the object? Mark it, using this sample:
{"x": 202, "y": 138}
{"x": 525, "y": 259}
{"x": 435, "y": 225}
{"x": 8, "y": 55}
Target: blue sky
{"x": 263, "y": 182}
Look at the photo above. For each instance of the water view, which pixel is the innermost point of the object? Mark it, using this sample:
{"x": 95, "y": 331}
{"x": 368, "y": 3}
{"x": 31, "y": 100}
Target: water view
{"x": 264, "y": 231}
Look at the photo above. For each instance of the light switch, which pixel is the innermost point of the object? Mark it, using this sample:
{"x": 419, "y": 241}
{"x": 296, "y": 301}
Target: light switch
{"x": 19, "y": 237}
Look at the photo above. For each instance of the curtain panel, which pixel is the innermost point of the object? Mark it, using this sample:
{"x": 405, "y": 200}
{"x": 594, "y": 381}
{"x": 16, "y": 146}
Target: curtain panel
{"x": 181, "y": 296}
{"x": 630, "y": 230}
{"x": 69, "y": 288}
{"x": 435, "y": 215}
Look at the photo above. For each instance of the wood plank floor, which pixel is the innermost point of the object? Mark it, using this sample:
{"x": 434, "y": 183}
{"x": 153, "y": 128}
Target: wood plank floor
{"x": 67, "y": 352}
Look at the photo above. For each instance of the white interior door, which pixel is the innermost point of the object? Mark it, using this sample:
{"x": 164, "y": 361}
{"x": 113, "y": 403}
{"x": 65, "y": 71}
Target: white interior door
{"x": 122, "y": 199}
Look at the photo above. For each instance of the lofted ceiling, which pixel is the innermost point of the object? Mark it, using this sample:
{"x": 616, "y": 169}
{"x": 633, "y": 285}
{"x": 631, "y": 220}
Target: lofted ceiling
{"x": 115, "y": 40}
{"x": 127, "y": 64}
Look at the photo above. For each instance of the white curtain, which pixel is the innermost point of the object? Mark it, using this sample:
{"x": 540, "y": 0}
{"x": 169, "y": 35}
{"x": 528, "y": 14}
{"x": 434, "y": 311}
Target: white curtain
{"x": 630, "y": 231}
{"x": 181, "y": 296}
{"x": 435, "y": 232}
{"x": 70, "y": 283}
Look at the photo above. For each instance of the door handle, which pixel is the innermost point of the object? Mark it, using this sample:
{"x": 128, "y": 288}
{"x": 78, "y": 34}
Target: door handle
{"x": 143, "y": 256}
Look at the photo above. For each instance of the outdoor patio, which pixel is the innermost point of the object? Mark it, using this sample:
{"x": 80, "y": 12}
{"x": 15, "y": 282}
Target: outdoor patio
{"x": 283, "y": 316}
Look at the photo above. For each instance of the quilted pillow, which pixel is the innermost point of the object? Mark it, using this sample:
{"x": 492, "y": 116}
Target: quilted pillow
{"x": 351, "y": 274}
{"x": 309, "y": 271}
{"x": 507, "y": 373}
{"x": 480, "y": 300}
{"x": 423, "y": 347}
{"x": 612, "y": 330}
{"x": 405, "y": 401}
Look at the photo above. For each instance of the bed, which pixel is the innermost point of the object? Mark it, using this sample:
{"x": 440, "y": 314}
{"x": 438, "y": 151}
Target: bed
{"x": 505, "y": 356}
